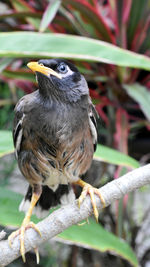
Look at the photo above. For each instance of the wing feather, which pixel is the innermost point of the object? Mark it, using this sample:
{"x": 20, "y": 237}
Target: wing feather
{"x": 17, "y": 127}
{"x": 93, "y": 124}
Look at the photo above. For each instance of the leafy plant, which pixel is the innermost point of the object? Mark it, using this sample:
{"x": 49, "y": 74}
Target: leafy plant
{"x": 84, "y": 235}
{"x": 118, "y": 78}
{"x": 120, "y": 24}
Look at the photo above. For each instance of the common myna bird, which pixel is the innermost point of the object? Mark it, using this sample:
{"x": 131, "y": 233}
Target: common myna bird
{"x": 54, "y": 137}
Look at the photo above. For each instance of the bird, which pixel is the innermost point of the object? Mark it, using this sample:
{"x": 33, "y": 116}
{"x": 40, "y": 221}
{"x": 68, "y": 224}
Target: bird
{"x": 55, "y": 136}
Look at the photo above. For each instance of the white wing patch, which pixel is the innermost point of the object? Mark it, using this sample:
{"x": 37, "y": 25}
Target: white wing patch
{"x": 18, "y": 142}
{"x": 18, "y": 135}
{"x": 93, "y": 128}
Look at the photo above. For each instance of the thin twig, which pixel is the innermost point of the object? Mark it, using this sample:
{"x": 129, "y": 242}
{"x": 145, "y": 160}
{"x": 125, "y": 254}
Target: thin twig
{"x": 68, "y": 215}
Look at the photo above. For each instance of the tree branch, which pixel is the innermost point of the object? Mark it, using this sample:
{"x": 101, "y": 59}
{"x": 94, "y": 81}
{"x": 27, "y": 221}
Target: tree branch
{"x": 68, "y": 215}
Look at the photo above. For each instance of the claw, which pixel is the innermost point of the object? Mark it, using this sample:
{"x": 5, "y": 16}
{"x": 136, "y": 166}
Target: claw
{"x": 83, "y": 223}
{"x": 21, "y": 233}
{"x": 89, "y": 189}
{"x": 12, "y": 236}
{"x": 37, "y": 255}
{"x": 25, "y": 225}
{"x": 32, "y": 225}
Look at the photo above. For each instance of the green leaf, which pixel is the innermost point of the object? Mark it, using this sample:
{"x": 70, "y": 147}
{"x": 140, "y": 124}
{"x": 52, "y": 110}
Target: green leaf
{"x": 94, "y": 236}
{"x": 40, "y": 45}
{"x": 20, "y": 75}
{"x": 49, "y": 14}
{"x": 6, "y": 143}
{"x": 20, "y": 14}
{"x": 92, "y": 17}
{"x": 90, "y": 235}
{"x": 9, "y": 204}
{"x": 137, "y": 10}
{"x": 72, "y": 21}
{"x": 22, "y": 6}
{"x": 141, "y": 94}
{"x": 113, "y": 156}
{"x": 146, "y": 42}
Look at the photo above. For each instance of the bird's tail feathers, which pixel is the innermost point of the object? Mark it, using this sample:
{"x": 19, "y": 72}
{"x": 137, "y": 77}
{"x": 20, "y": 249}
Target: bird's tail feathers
{"x": 63, "y": 195}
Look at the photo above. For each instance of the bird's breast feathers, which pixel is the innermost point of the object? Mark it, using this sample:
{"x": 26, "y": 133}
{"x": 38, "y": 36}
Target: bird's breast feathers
{"x": 52, "y": 147}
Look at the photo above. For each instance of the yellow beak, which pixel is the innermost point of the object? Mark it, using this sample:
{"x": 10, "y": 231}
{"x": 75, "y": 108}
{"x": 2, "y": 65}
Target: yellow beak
{"x": 35, "y": 66}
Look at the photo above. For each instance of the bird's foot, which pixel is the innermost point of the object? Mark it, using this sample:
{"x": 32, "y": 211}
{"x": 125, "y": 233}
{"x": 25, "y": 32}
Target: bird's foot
{"x": 89, "y": 189}
{"x": 21, "y": 232}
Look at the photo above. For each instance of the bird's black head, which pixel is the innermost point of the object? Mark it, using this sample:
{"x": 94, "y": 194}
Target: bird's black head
{"x": 60, "y": 79}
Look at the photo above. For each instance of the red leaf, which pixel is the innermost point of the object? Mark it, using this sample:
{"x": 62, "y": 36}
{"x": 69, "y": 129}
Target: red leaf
{"x": 102, "y": 114}
{"x": 26, "y": 86}
{"x": 91, "y": 14}
{"x": 94, "y": 94}
{"x": 126, "y": 10}
{"x": 113, "y": 14}
{"x": 23, "y": 3}
{"x": 122, "y": 130}
{"x": 140, "y": 35}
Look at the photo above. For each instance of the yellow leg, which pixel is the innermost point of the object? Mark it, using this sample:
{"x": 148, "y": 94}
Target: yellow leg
{"x": 25, "y": 225}
{"x": 89, "y": 189}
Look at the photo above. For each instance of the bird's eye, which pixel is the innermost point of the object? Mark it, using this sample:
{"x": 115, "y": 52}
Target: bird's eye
{"x": 62, "y": 68}
{"x": 41, "y": 64}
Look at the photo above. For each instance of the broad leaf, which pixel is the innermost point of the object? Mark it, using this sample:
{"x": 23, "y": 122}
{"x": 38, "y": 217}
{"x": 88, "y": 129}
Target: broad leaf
{"x": 9, "y": 203}
{"x": 32, "y": 44}
{"x": 109, "y": 155}
{"x": 6, "y": 143}
{"x": 90, "y": 235}
{"x": 140, "y": 94}
{"x": 94, "y": 236}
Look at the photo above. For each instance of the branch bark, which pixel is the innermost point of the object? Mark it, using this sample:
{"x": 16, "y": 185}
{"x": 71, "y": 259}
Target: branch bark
{"x": 68, "y": 215}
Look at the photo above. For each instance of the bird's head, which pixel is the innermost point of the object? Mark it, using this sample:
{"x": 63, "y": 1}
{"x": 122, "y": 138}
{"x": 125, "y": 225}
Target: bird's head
{"x": 60, "y": 79}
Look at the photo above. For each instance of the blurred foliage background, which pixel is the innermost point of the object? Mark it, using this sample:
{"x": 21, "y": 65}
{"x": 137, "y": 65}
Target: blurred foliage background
{"x": 109, "y": 41}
